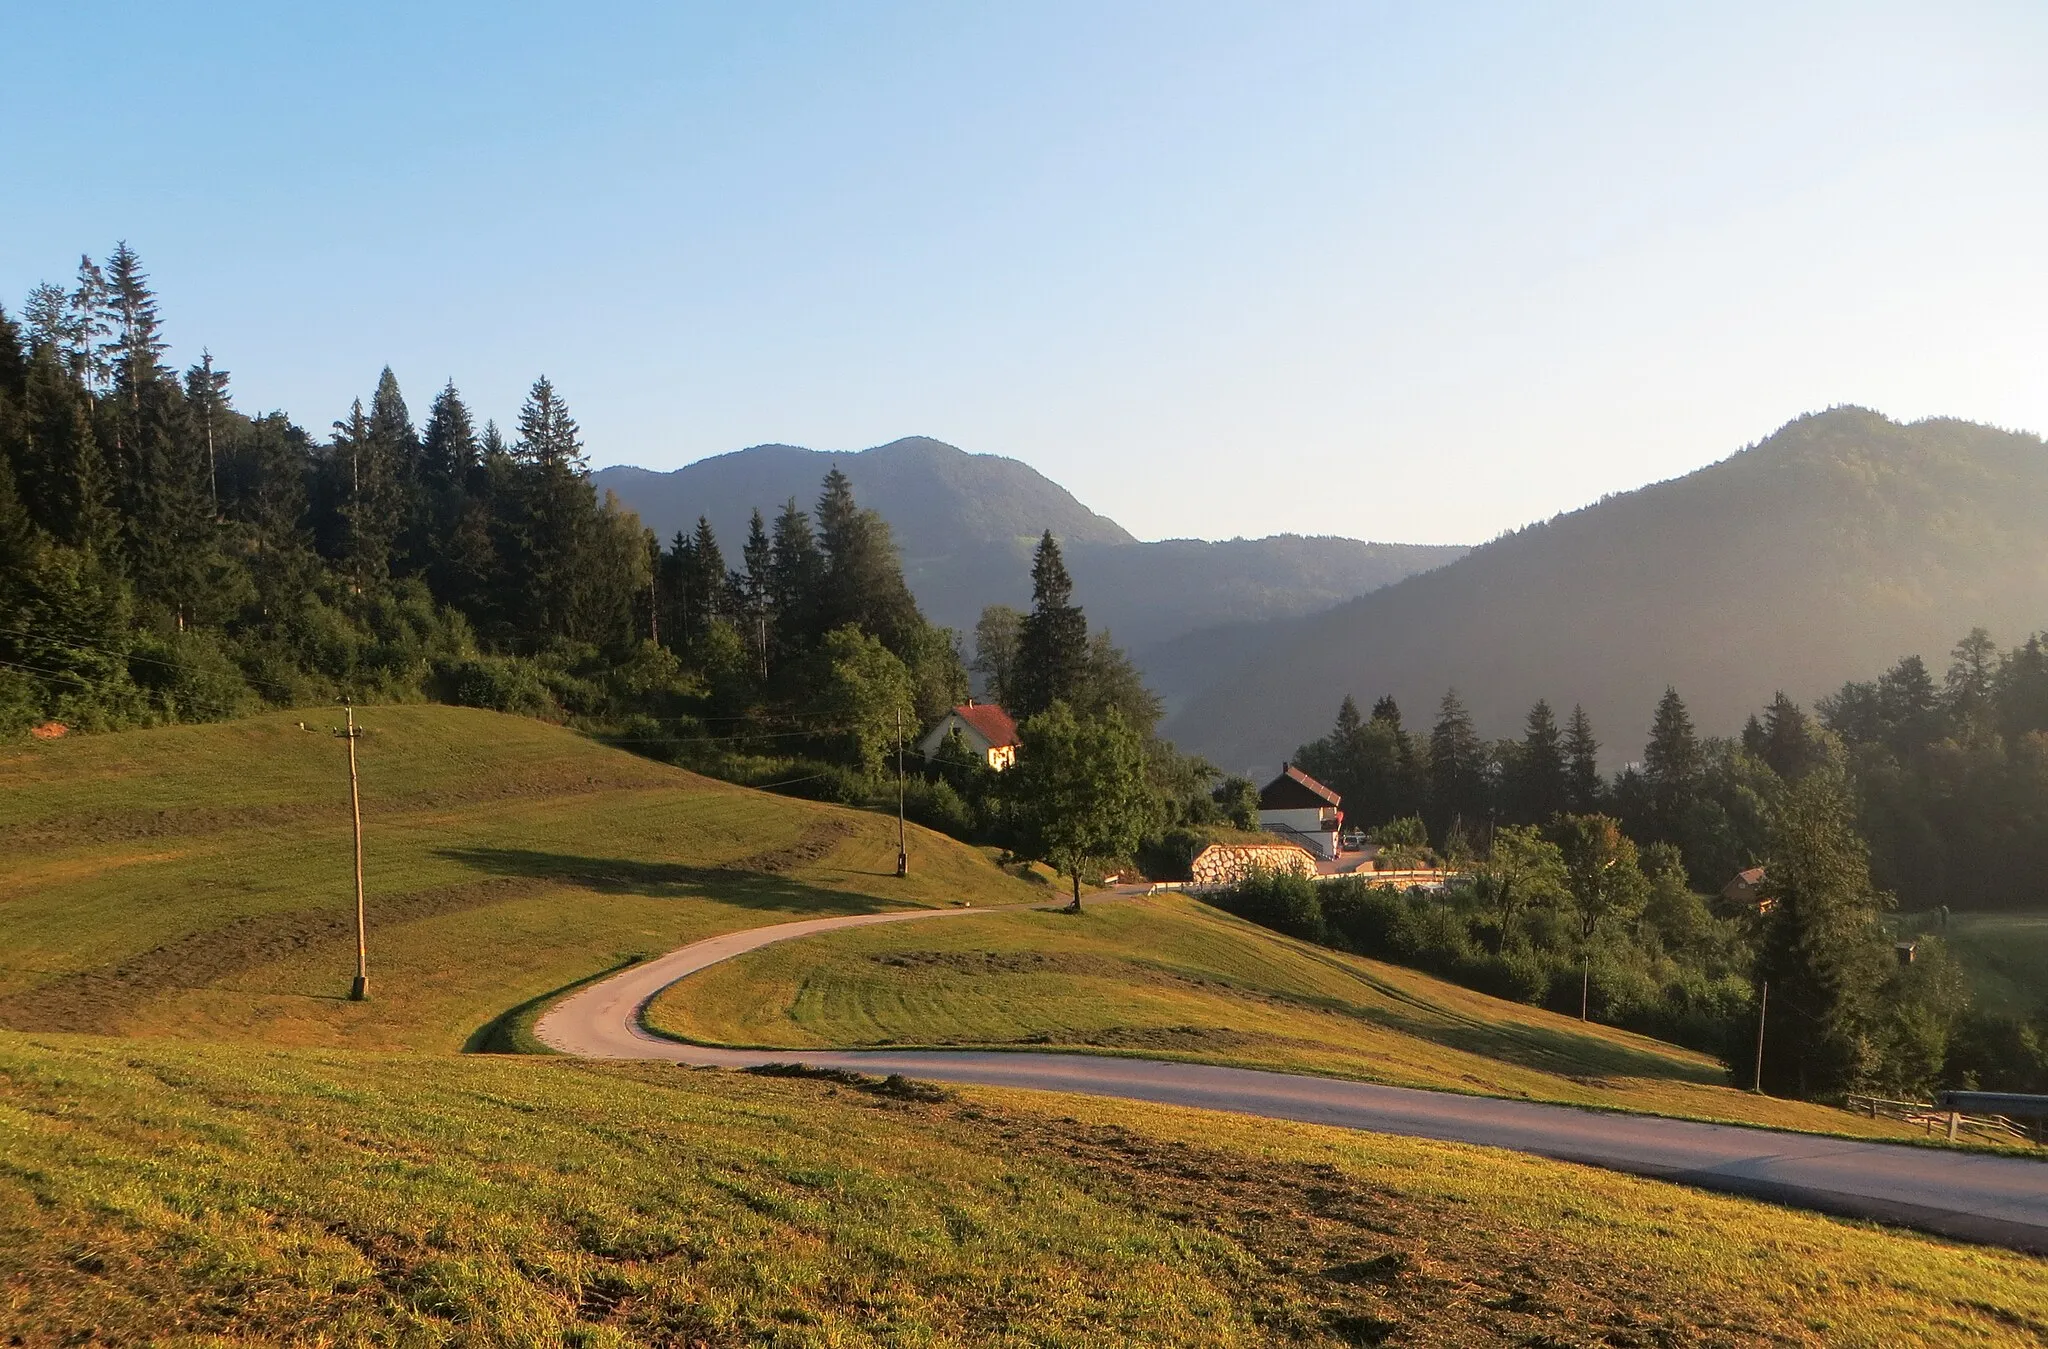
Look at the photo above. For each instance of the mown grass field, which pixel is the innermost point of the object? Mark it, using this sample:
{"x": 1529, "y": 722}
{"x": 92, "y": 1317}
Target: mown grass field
{"x": 2005, "y": 955}
{"x": 196, "y": 880}
{"x": 165, "y": 1192}
{"x": 1168, "y": 976}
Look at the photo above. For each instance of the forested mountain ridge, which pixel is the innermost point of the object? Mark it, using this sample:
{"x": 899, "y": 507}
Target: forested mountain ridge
{"x": 1836, "y": 546}
{"x": 937, "y": 498}
{"x": 966, "y": 524}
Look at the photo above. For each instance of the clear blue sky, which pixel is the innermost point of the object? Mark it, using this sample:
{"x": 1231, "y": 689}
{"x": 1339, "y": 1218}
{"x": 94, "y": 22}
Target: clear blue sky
{"x": 1421, "y": 272}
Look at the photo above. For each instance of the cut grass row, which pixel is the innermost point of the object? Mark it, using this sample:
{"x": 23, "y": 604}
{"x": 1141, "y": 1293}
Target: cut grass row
{"x": 1171, "y": 977}
{"x": 167, "y": 1192}
{"x": 196, "y": 881}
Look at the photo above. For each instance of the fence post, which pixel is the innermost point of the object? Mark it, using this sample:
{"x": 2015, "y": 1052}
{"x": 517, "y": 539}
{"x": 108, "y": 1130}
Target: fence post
{"x": 1955, "y": 1117}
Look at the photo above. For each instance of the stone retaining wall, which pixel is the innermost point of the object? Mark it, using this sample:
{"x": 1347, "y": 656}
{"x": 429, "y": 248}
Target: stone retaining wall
{"x": 1229, "y": 863}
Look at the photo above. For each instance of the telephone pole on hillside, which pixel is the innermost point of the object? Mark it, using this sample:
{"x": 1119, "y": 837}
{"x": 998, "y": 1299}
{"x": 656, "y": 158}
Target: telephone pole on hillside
{"x": 360, "y": 990}
{"x": 1763, "y": 1005}
{"x": 902, "y": 849}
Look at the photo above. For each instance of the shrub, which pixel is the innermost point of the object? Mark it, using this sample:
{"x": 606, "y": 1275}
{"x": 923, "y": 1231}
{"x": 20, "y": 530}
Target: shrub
{"x": 1284, "y": 903}
{"x": 935, "y": 805}
{"x": 500, "y": 684}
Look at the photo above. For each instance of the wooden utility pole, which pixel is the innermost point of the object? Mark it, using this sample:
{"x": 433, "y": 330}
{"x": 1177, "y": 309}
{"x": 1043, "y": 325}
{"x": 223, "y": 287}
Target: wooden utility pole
{"x": 360, "y": 990}
{"x": 902, "y": 848}
{"x": 1763, "y": 1005}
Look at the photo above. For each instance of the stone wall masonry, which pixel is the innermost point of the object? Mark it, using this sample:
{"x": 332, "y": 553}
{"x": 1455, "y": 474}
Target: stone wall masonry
{"x": 1228, "y": 863}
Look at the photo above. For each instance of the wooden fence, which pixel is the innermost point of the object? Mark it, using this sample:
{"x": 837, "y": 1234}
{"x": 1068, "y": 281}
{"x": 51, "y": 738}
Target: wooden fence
{"x": 1991, "y": 1128}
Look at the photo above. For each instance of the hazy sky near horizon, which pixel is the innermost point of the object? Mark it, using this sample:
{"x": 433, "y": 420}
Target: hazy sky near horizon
{"x": 1418, "y": 273}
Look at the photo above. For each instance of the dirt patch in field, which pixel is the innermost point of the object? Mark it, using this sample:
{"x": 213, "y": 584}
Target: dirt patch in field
{"x": 813, "y": 845}
{"x": 1335, "y": 1259}
{"x": 103, "y": 998}
{"x": 1001, "y": 962}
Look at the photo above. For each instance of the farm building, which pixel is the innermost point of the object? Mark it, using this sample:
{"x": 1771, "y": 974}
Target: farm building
{"x": 987, "y": 730}
{"x": 1303, "y": 811}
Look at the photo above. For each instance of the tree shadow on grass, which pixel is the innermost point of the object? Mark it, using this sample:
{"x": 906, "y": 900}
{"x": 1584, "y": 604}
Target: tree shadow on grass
{"x": 1546, "y": 1049}
{"x": 662, "y": 880}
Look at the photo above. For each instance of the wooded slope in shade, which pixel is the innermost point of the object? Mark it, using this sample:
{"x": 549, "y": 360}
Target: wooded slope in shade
{"x": 966, "y": 523}
{"x": 1838, "y": 545}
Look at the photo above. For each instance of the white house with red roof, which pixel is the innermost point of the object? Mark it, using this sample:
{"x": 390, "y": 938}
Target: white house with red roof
{"x": 1304, "y": 811}
{"x": 987, "y": 730}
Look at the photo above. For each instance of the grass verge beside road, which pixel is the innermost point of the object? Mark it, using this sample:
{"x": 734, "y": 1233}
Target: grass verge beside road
{"x": 161, "y": 1190}
{"x": 1171, "y": 977}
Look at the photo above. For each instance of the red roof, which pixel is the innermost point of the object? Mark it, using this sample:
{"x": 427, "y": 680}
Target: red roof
{"x": 991, "y": 721}
{"x": 1282, "y": 790}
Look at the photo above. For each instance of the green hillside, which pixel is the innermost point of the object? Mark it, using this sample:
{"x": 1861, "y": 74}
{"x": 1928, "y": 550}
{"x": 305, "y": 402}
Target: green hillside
{"x": 181, "y": 1194}
{"x": 1170, "y": 977}
{"x": 196, "y": 880}
{"x": 1838, "y": 545}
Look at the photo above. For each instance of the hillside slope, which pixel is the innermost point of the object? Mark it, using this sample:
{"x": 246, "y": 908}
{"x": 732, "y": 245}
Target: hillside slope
{"x": 196, "y": 880}
{"x": 166, "y": 1193}
{"x": 1840, "y": 544}
{"x": 1170, "y": 977}
{"x": 966, "y": 524}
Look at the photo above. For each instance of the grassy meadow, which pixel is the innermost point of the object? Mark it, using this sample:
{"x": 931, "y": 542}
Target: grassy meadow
{"x": 2005, "y": 955}
{"x": 196, "y": 880}
{"x": 202, "y": 1142}
{"x": 1168, "y": 976}
{"x": 161, "y": 1191}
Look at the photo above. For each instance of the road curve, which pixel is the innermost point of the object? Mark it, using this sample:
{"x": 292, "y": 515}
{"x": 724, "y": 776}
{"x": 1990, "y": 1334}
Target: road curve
{"x": 1970, "y": 1196}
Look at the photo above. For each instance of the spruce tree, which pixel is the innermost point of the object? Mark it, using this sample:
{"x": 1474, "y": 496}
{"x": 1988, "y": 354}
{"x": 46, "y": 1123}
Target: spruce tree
{"x": 62, "y": 474}
{"x": 1789, "y": 746}
{"x": 796, "y": 575}
{"x": 371, "y": 504}
{"x": 558, "y": 509}
{"x": 863, "y": 582}
{"x": 756, "y": 588}
{"x": 1582, "y": 763}
{"x": 1824, "y": 952}
{"x": 1671, "y": 765}
{"x": 1052, "y": 645}
{"x": 1457, "y": 768}
{"x": 206, "y": 391}
{"x": 1541, "y": 783}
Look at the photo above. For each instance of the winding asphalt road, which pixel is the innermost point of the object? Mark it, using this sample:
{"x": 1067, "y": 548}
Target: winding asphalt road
{"x": 1971, "y": 1196}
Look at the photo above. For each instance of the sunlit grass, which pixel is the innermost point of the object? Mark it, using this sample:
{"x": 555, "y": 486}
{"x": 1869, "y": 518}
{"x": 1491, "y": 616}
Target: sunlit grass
{"x": 196, "y": 880}
{"x": 156, "y": 1190}
{"x": 1172, "y": 977}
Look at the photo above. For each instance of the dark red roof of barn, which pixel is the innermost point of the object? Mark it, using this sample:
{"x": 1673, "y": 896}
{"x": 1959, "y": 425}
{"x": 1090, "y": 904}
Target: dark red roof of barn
{"x": 1296, "y": 790}
{"x": 995, "y": 725}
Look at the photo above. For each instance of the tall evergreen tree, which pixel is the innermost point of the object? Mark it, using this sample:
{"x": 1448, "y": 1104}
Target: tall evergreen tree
{"x": 452, "y": 518}
{"x": 1542, "y": 788}
{"x": 863, "y": 582}
{"x": 1052, "y": 644}
{"x": 372, "y": 507}
{"x": 1457, "y": 768}
{"x": 755, "y": 586}
{"x": 206, "y": 392}
{"x": 62, "y": 474}
{"x": 1582, "y": 763}
{"x": 1671, "y": 765}
{"x": 796, "y": 575}
{"x": 1823, "y": 951}
{"x": 557, "y": 506}
{"x": 1788, "y": 743}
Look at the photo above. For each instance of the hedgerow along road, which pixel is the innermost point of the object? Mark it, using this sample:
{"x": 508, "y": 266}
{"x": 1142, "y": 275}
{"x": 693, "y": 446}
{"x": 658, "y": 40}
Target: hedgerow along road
{"x": 1997, "y": 1200}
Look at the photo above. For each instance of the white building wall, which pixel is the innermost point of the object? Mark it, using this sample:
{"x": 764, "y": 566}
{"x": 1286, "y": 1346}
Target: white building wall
{"x": 1309, "y": 822}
